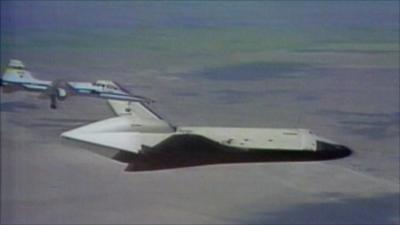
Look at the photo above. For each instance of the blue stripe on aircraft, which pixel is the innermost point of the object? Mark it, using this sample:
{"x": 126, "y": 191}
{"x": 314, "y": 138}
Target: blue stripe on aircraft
{"x": 23, "y": 83}
{"x": 85, "y": 90}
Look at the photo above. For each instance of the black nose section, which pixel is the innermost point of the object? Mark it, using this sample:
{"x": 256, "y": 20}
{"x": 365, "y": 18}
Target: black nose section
{"x": 331, "y": 151}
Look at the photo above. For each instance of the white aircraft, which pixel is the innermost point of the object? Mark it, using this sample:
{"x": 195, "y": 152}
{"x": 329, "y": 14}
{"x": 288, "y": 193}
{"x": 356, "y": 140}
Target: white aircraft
{"x": 17, "y": 78}
{"x": 145, "y": 137}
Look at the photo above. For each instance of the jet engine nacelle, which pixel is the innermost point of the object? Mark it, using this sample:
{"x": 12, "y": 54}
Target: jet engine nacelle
{"x": 61, "y": 94}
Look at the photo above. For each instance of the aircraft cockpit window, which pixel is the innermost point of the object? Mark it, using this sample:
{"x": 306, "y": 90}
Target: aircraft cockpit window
{"x": 111, "y": 87}
{"x": 99, "y": 85}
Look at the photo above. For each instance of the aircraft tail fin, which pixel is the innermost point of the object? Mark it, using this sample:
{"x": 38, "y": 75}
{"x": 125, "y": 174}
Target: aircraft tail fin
{"x": 138, "y": 109}
{"x": 16, "y": 70}
{"x": 139, "y": 112}
{"x": 16, "y": 64}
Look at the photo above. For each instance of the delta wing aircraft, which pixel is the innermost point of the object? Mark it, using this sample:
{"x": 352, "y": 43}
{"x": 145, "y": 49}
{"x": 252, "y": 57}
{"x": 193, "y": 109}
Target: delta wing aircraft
{"x": 136, "y": 128}
{"x": 18, "y": 78}
{"x": 139, "y": 131}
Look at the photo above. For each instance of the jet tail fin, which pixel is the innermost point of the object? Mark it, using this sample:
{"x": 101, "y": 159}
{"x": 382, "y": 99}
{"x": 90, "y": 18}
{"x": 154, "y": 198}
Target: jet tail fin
{"x": 16, "y": 64}
{"x": 136, "y": 108}
{"x": 16, "y": 70}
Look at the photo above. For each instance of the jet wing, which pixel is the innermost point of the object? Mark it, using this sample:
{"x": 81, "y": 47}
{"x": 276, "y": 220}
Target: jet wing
{"x": 35, "y": 87}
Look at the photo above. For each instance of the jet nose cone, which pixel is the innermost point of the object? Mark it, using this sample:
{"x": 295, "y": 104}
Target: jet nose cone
{"x": 327, "y": 150}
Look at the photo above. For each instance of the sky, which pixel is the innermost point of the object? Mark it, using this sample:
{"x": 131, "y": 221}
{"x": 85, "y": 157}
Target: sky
{"x": 190, "y": 35}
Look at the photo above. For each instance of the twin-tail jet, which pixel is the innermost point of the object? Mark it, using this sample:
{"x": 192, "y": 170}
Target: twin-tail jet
{"x": 18, "y": 78}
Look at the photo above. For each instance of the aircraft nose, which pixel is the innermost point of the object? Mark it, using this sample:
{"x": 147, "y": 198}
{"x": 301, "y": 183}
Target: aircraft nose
{"x": 327, "y": 150}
